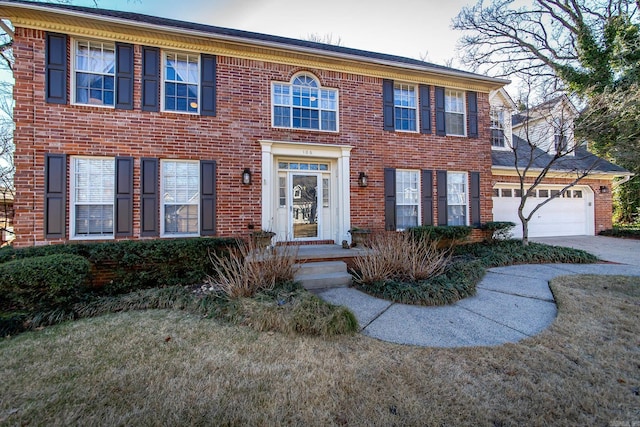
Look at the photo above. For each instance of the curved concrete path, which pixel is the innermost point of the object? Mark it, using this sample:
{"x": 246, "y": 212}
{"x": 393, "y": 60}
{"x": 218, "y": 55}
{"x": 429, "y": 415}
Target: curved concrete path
{"x": 512, "y": 303}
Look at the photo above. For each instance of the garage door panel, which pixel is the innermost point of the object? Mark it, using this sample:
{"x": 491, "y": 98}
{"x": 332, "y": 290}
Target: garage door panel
{"x": 560, "y": 217}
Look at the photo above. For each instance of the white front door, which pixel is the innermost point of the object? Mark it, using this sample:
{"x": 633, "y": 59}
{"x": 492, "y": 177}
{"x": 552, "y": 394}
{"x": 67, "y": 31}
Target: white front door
{"x": 305, "y": 191}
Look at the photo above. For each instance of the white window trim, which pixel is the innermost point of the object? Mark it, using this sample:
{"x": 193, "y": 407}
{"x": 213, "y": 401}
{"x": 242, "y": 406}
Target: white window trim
{"x": 74, "y": 48}
{"x": 467, "y": 195}
{"x": 163, "y": 233}
{"x": 417, "y": 107}
{"x": 506, "y": 140}
{"x": 320, "y": 87}
{"x": 72, "y": 201}
{"x": 464, "y": 110}
{"x": 419, "y": 219}
{"x": 163, "y": 74}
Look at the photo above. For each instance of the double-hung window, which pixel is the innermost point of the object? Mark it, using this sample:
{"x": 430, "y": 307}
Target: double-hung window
{"x": 405, "y": 107}
{"x": 497, "y": 127}
{"x": 560, "y": 136}
{"x": 92, "y": 197}
{"x": 457, "y": 198}
{"x": 94, "y": 73}
{"x": 304, "y": 104}
{"x": 407, "y": 198}
{"x": 454, "y": 107}
{"x": 181, "y": 82}
{"x": 180, "y": 189}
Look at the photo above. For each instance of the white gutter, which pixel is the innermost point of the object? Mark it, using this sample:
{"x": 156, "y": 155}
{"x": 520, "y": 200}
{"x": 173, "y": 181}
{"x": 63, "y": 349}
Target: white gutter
{"x": 263, "y": 43}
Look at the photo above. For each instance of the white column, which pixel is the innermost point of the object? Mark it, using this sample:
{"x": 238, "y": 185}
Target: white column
{"x": 267, "y": 186}
{"x": 344, "y": 194}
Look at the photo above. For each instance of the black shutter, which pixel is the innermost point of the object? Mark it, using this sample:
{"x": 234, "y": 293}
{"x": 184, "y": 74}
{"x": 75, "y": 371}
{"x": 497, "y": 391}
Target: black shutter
{"x": 56, "y": 68}
{"x": 472, "y": 112}
{"x": 124, "y": 76}
{"x": 149, "y": 197}
{"x": 124, "y": 197}
{"x": 55, "y": 192}
{"x": 390, "y": 199}
{"x": 475, "y": 199}
{"x": 441, "y": 129}
{"x": 425, "y": 109}
{"x": 427, "y": 197}
{"x": 388, "y": 106}
{"x": 150, "y": 79}
{"x": 208, "y": 197}
{"x": 208, "y": 85}
{"x": 441, "y": 177}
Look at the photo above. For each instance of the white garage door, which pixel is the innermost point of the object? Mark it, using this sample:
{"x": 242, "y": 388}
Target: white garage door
{"x": 570, "y": 215}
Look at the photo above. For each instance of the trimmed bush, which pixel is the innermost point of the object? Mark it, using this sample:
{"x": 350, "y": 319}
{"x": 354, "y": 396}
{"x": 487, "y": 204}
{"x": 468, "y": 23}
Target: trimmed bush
{"x": 139, "y": 264}
{"x": 437, "y": 233}
{"x": 509, "y": 252}
{"x": 46, "y": 283}
{"x": 457, "y": 282}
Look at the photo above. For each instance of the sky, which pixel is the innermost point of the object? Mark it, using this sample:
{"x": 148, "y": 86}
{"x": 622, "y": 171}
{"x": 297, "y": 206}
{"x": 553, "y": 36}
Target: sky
{"x": 410, "y": 28}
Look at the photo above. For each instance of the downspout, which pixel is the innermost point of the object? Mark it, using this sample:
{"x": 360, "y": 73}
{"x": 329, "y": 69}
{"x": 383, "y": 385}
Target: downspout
{"x": 626, "y": 178}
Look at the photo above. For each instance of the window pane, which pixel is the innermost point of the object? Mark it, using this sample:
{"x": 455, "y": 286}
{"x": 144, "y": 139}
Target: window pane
{"x": 92, "y": 196}
{"x": 506, "y": 192}
{"x": 457, "y": 198}
{"x": 407, "y": 198}
{"x": 302, "y": 105}
{"x": 454, "y": 124}
{"x": 94, "y": 72}
{"x": 181, "y": 82}
{"x": 181, "y": 196}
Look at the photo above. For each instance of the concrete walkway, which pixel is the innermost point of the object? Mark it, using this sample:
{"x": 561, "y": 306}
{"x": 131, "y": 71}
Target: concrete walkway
{"x": 512, "y": 303}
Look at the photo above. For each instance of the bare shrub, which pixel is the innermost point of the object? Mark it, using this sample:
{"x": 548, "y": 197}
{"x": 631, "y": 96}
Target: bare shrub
{"x": 397, "y": 256}
{"x": 248, "y": 270}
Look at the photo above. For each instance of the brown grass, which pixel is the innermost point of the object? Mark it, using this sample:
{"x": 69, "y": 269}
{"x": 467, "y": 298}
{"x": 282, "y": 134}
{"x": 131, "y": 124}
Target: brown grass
{"x": 398, "y": 256}
{"x": 173, "y": 368}
{"x": 247, "y": 269}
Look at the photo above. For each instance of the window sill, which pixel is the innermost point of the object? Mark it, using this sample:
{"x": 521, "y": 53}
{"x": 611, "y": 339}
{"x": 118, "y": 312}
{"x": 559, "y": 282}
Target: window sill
{"x": 305, "y": 129}
{"x": 178, "y": 235}
{"x": 185, "y": 113}
{"x": 102, "y": 237}
{"x": 108, "y": 107}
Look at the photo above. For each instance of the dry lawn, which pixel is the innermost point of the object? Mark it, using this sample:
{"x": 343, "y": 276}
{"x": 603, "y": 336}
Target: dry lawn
{"x": 173, "y": 368}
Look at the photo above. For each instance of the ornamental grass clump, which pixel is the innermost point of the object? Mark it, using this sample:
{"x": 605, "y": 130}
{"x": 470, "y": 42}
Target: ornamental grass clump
{"x": 401, "y": 258}
{"x": 248, "y": 270}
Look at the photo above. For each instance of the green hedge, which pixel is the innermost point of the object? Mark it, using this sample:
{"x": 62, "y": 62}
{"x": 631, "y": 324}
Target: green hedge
{"x": 457, "y": 282}
{"x": 44, "y": 283}
{"x": 139, "y": 264}
{"x": 450, "y": 232}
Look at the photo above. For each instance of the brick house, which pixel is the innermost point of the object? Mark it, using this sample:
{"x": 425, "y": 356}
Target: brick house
{"x": 130, "y": 126}
{"x": 537, "y": 135}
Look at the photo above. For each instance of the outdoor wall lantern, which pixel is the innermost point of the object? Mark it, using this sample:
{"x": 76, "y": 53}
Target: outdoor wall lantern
{"x": 604, "y": 189}
{"x": 363, "y": 179}
{"x": 246, "y": 176}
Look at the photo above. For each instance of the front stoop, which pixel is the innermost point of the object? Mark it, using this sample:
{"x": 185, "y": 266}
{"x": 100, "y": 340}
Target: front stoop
{"x": 323, "y": 274}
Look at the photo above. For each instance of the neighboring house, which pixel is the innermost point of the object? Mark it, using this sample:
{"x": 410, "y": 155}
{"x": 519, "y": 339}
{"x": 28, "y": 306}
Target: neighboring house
{"x": 6, "y": 215}
{"x": 131, "y": 126}
{"x": 586, "y": 208}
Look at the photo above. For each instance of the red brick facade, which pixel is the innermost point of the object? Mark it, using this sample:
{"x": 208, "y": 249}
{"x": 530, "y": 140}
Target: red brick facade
{"x": 231, "y": 138}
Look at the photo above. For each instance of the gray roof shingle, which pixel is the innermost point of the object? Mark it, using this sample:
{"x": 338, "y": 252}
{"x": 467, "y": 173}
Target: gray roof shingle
{"x": 582, "y": 160}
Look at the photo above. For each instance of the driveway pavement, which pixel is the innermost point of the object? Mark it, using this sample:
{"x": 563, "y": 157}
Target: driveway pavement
{"x": 623, "y": 251}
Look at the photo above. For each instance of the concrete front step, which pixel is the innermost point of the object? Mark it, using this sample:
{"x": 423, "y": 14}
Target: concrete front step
{"x": 324, "y": 274}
